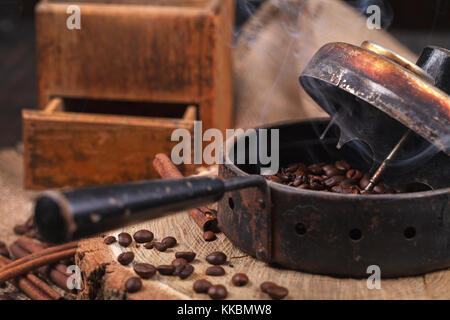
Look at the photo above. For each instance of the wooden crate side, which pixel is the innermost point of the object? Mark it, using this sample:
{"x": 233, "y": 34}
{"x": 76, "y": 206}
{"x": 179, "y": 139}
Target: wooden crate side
{"x": 70, "y": 150}
{"x": 138, "y": 53}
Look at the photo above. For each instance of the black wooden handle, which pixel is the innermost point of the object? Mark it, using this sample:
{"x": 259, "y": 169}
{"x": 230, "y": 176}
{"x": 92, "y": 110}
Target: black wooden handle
{"x": 65, "y": 215}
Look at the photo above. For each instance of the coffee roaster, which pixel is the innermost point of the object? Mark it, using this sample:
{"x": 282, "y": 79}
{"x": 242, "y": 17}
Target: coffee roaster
{"x": 388, "y": 115}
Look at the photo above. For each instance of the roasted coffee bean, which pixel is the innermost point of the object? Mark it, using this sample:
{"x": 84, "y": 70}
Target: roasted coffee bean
{"x": 160, "y": 246}
{"x": 217, "y": 292}
{"x": 315, "y": 169}
{"x": 2, "y": 244}
{"x": 380, "y": 188}
{"x": 30, "y": 222}
{"x": 109, "y": 240}
{"x": 144, "y": 270}
{"x": 216, "y": 258}
{"x": 202, "y": 286}
{"x": 5, "y": 297}
{"x": 348, "y": 189}
{"x": 143, "y": 236}
{"x": 365, "y": 180}
{"x": 332, "y": 171}
{"x": 166, "y": 269}
{"x": 170, "y": 242}
{"x": 179, "y": 261}
{"x": 125, "y": 258}
{"x": 209, "y": 236}
{"x": 342, "y": 165}
{"x": 183, "y": 270}
{"x": 276, "y": 292}
{"x": 239, "y": 279}
{"x": 299, "y": 180}
{"x": 274, "y": 179}
{"x": 148, "y": 245}
{"x": 20, "y": 229}
{"x": 133, "y": 284}
{"x": 265, "y": 286}
{"x": 334, "y": 181}
{"x": 292, "y": 168}
{"x": 189, "y": 256}
{"x": 4, "y": 252}
{"x": 304, "y": 186}
{"x": 354, "y": 174}
{"x": 125, "y": 239}
{"x": 215, "y": 271}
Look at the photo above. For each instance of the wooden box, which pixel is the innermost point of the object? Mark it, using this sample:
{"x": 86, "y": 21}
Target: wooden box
{"x": 114, "y": 77}
{"x": 67, "y": 148}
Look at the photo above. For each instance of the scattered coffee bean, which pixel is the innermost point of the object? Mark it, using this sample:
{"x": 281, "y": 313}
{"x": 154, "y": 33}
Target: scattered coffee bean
{"x": 216, "y": 258}
{"x": 30, "y": 222}
{"x": 133, "y": 284}
{"x": 215, "y": 271}
{"x": 170, "y": 242}
{"x": 125, "y": 258}
{"x": 276, "y": 292}
{"x": 4, "y": 252}
{"x": 5, "y": 297}
{"x": 202, "y": 286}
{"x": 217, "y": 292}
{"x": 148, "y": 245}
{"x": 166, "y": 269}
{"x": 183, "y": 270}
{"x": 143, "y": 236}
{"x": 189, "y": 256}
{"x": 20, "y": 229}
{"x": 160, "y": 246}
{"x": 179, "y": 261}
{"x": 125, "y": 239}
{"x": 239, "y": 279}
{"x": 209, "y": 236}
{"x": 265, "y": 286}
{"x": 109, "y": 240}
{"x": 144, "y": 270}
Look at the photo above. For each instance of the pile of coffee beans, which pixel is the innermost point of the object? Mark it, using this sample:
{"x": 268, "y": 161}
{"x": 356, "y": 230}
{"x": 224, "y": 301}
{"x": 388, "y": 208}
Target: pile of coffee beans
{"x": 337, "y": 177}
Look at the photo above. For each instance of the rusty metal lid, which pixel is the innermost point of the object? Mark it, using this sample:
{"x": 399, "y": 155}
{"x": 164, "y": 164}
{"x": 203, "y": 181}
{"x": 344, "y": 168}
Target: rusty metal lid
{"x": 347, "y": 81}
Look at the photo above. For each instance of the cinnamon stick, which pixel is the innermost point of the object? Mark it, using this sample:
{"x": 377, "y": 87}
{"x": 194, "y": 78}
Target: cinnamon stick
{"x": 56, "y": 273}
{"x": 43, "y": 253}
{"x": 32, "y": 286}
{"x": 203, "y": 217}
{"x": 26, "y": 264}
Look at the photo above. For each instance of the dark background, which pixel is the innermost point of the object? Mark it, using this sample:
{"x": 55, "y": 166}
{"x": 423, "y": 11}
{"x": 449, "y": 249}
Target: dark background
{"x": 416, "y": 23}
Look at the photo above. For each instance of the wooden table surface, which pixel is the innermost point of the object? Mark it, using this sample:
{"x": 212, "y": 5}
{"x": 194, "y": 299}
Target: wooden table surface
{"x": 105, "y": 277}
